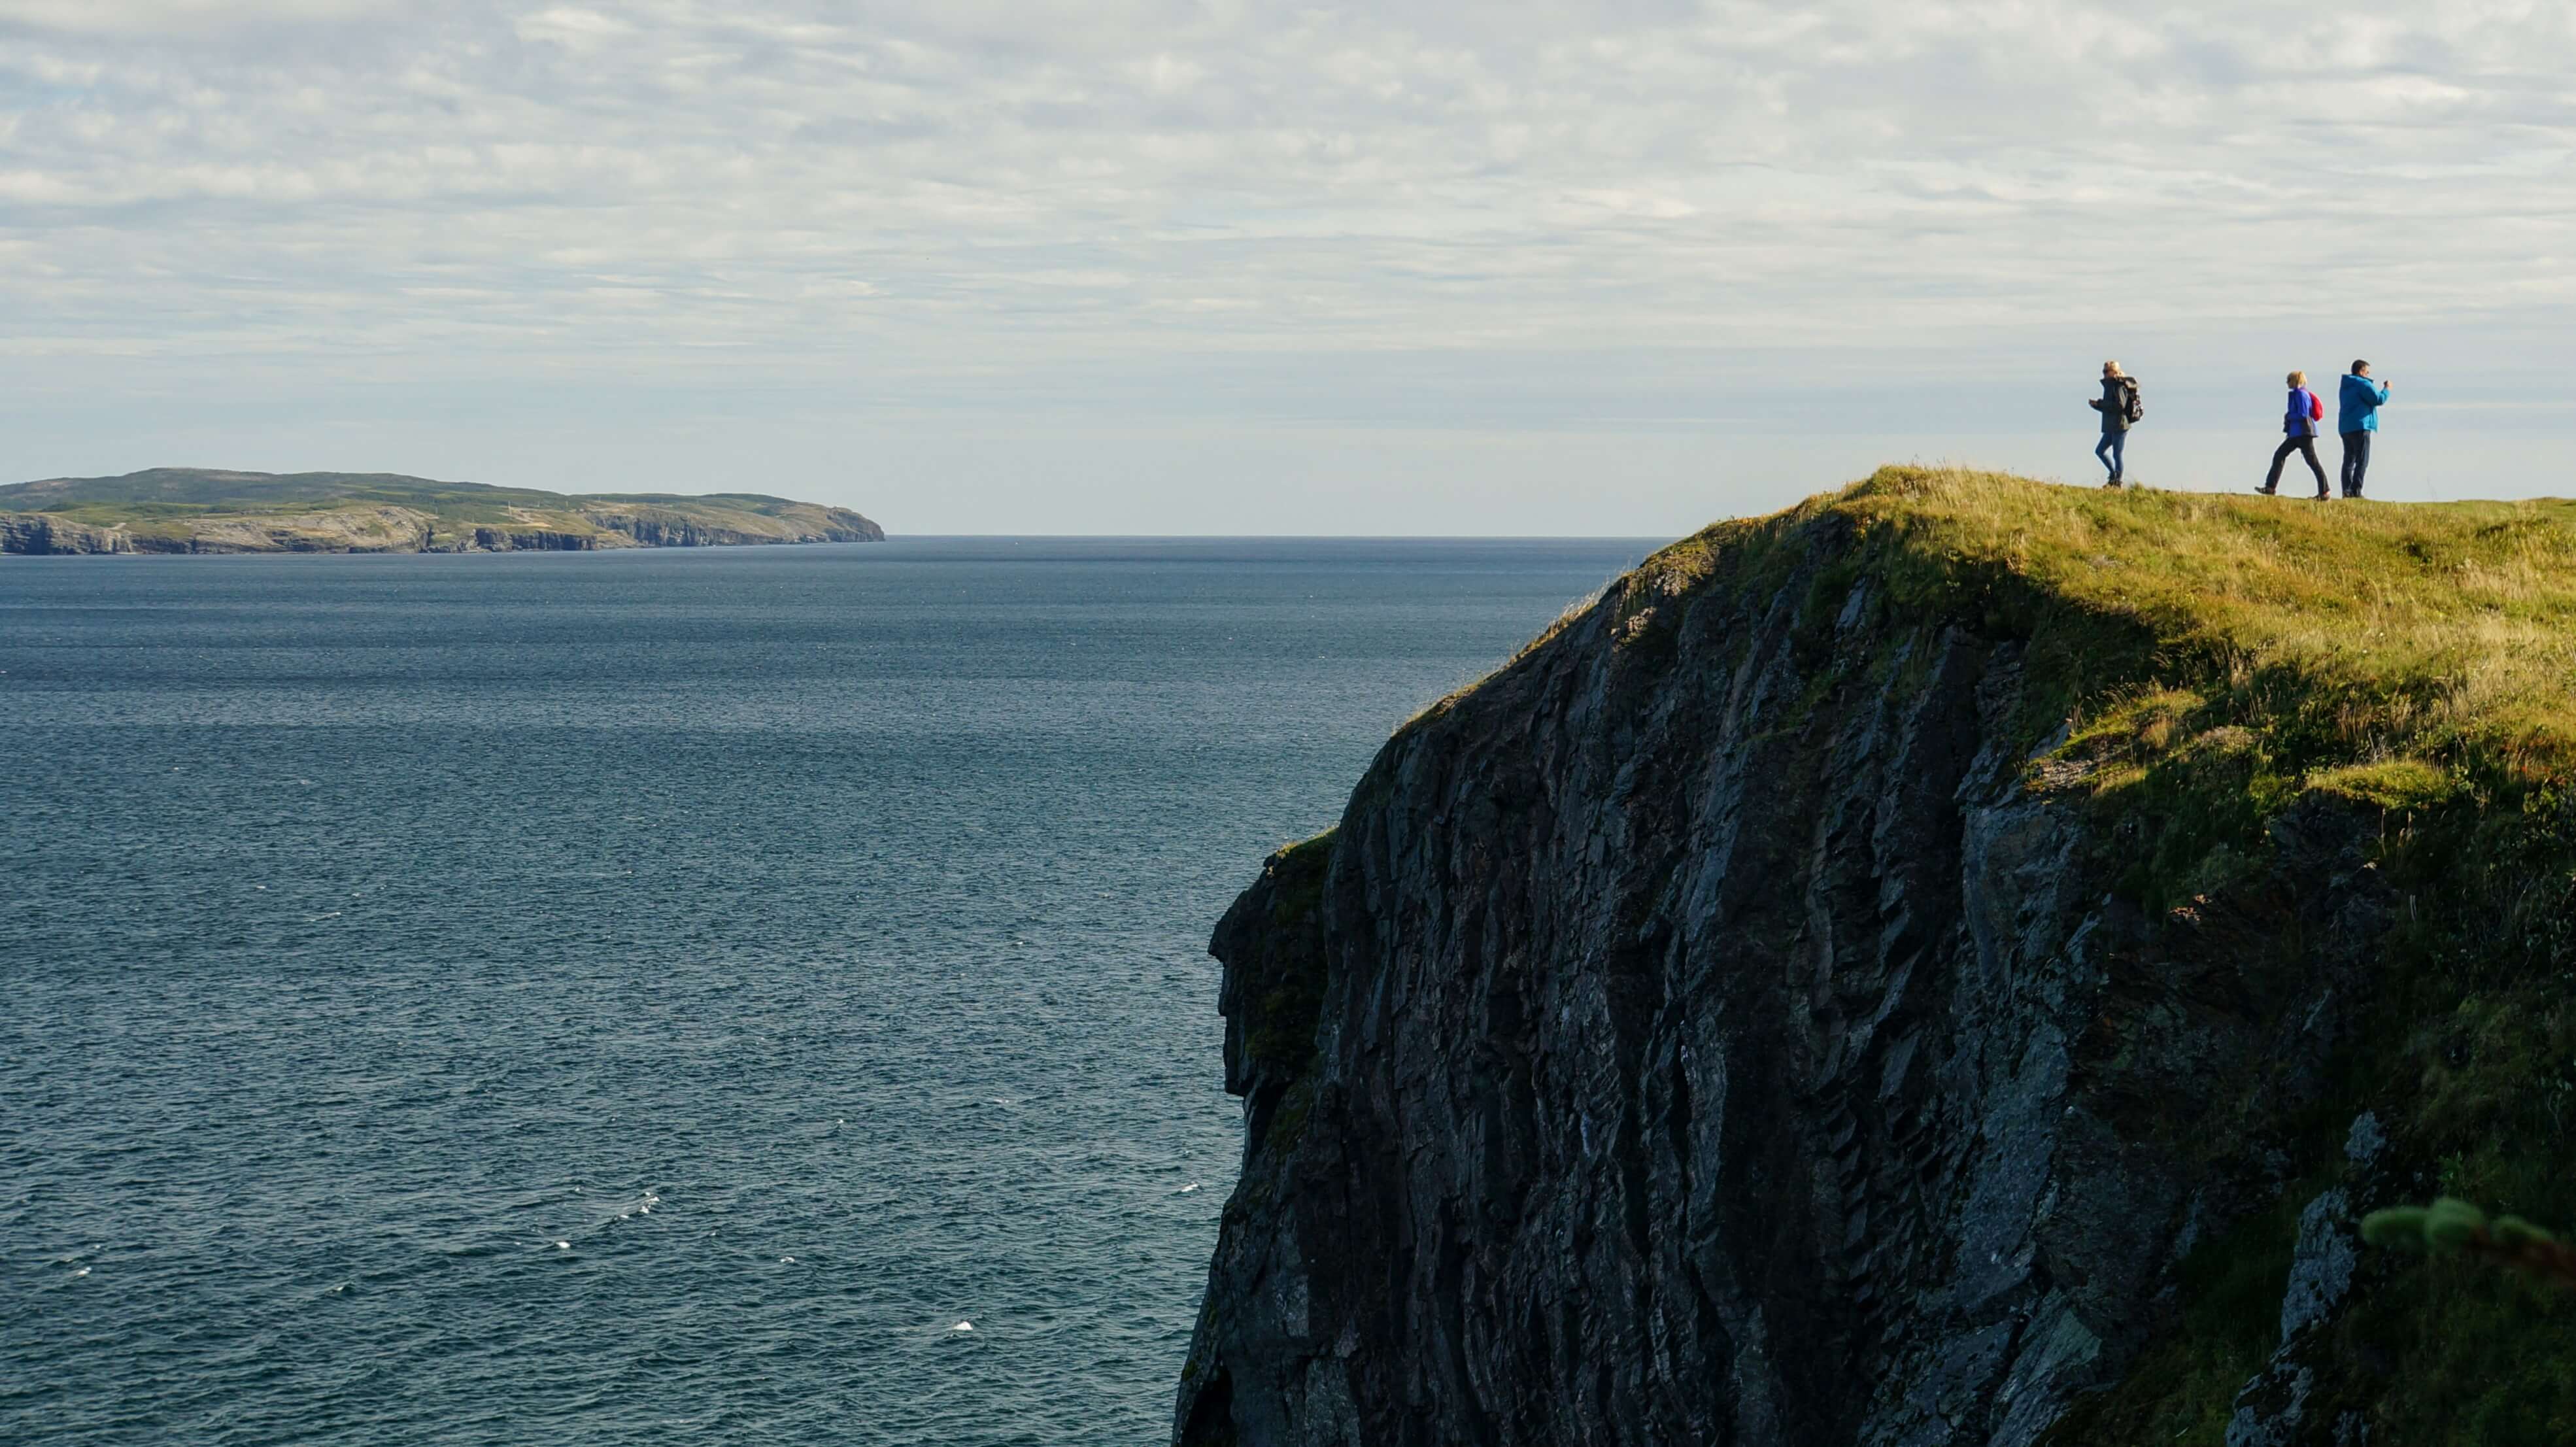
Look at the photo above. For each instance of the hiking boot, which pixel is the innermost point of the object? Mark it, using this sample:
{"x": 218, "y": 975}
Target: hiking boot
{"x": 2267, "y": 491}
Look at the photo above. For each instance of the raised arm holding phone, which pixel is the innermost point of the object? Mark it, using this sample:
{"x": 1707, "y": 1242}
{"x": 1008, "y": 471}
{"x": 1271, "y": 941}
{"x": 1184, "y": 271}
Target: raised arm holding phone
{"x": 2357, "y": 418}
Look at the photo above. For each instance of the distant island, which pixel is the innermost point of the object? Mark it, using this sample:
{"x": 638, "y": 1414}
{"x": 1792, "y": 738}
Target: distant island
{"x": 204, "y": 510}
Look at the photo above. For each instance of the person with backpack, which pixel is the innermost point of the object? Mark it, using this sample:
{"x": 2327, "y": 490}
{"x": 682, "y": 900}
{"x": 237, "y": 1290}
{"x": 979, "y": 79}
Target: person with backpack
{"x": 2120, "y": 411}
{"x": 2357, "y": 418}
{"x": 2300, "y": 423}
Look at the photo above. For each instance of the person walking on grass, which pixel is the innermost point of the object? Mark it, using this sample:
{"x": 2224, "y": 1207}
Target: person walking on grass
{"x": 2120, "y": 411}
{"x": 2357, "y": 418}
{"x": 2300, "y": 423}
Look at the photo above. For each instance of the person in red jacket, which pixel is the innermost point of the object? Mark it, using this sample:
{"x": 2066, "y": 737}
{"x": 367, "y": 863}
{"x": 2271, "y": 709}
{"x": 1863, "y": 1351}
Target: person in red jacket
{"x": 2305, "y": 411}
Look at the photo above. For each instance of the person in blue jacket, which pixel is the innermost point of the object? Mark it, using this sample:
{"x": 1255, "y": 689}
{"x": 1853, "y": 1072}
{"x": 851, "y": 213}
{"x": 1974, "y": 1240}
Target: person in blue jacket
{"x": 2357, "y": 418}
{"x": 2300, "y": 423}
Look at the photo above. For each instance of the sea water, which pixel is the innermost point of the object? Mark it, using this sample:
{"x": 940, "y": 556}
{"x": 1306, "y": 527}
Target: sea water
{"x": 724, "y": 996}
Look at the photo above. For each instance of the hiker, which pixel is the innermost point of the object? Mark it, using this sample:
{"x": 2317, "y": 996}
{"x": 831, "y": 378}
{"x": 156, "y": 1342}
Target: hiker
{"x": 2300, "y": 423}
{"x": 2357, "y": 418}
{"x": 2120, "y": 411}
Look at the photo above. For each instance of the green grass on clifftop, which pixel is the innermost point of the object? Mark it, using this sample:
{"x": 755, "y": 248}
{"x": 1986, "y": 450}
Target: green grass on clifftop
{"x": 2369, "y": 634}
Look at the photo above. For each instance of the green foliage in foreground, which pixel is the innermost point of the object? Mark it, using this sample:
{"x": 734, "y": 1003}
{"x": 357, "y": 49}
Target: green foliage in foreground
{"x": 2198, "y": 665}
{"x": 2451, "y": 1225}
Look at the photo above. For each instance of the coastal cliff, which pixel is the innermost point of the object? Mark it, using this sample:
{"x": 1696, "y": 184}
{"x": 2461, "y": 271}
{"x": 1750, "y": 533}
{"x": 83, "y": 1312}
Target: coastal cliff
{"x": 200, "y": 510}
{"x": 35, "y": 532}
{"x": 1942, "y": 965}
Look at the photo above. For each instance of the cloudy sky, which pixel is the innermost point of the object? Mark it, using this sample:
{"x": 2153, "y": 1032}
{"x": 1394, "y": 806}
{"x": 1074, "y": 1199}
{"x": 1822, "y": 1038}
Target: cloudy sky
{"x": 1160, "y": 266}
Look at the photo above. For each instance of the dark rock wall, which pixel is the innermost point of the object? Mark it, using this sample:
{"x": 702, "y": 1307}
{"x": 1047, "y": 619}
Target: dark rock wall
{"x": 528, "y": 540}
{"x": 1717, "y": 1032}
{"x": 34, "y": 532}
{"x": 661, "y": 530}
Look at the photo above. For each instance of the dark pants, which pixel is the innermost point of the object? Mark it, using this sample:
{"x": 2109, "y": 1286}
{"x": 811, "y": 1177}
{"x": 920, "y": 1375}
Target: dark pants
{"x": 2111, "y": 450}
{"x": 2356, "y": 461}
{"x": 2304, "y": 446}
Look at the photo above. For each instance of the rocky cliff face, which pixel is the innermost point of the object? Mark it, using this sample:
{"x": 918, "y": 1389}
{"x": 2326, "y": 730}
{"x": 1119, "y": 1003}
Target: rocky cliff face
{"x": 35, "y": 532}
{"x": 667, "y": 529}
{"x": 1738, "y": 1021}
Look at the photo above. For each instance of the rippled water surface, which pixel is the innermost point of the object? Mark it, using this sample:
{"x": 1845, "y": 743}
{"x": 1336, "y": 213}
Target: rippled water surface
{"x": 660, "y": 996}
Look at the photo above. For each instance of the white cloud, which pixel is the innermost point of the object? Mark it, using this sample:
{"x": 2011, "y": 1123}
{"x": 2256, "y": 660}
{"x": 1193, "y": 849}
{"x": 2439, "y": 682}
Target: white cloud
{"x": 180, "y": 17}
{"x": 580, "y": 29}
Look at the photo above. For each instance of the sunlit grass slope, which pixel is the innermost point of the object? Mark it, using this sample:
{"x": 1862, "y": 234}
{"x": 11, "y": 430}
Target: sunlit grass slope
{"x": 2346, "y": 635}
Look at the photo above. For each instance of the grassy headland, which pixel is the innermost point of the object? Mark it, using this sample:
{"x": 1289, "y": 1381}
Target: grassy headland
{"x": 177, "y": 509}
{"x": 2208, "y": 662}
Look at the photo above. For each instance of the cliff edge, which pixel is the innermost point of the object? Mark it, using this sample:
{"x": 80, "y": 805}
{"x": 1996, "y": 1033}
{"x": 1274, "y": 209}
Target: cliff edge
{"x": 1945, "y": 964}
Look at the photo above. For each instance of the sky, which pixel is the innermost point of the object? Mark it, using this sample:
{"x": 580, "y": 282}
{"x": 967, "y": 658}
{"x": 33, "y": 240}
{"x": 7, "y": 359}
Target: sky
{"x": 1196, "y": 266}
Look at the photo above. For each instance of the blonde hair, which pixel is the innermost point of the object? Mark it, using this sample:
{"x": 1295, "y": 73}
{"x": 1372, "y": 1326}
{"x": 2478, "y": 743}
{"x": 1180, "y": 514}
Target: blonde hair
{"x": 2298, "y": 379}
{"x": 2114, "y": 369}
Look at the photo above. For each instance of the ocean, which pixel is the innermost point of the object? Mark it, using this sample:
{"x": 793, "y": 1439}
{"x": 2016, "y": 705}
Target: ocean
{"x": 711, "y": 996}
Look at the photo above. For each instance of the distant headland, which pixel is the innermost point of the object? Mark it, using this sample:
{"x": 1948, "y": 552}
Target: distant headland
{"x": 206, "y": 510}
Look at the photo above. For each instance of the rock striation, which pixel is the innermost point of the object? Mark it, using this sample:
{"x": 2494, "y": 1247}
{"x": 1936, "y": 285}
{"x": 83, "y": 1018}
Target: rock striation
{"x": 1743, "y": 1019}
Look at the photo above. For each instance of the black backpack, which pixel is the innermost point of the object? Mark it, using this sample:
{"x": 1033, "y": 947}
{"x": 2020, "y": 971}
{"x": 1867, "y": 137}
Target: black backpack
{"x": 2133, "y": 409}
